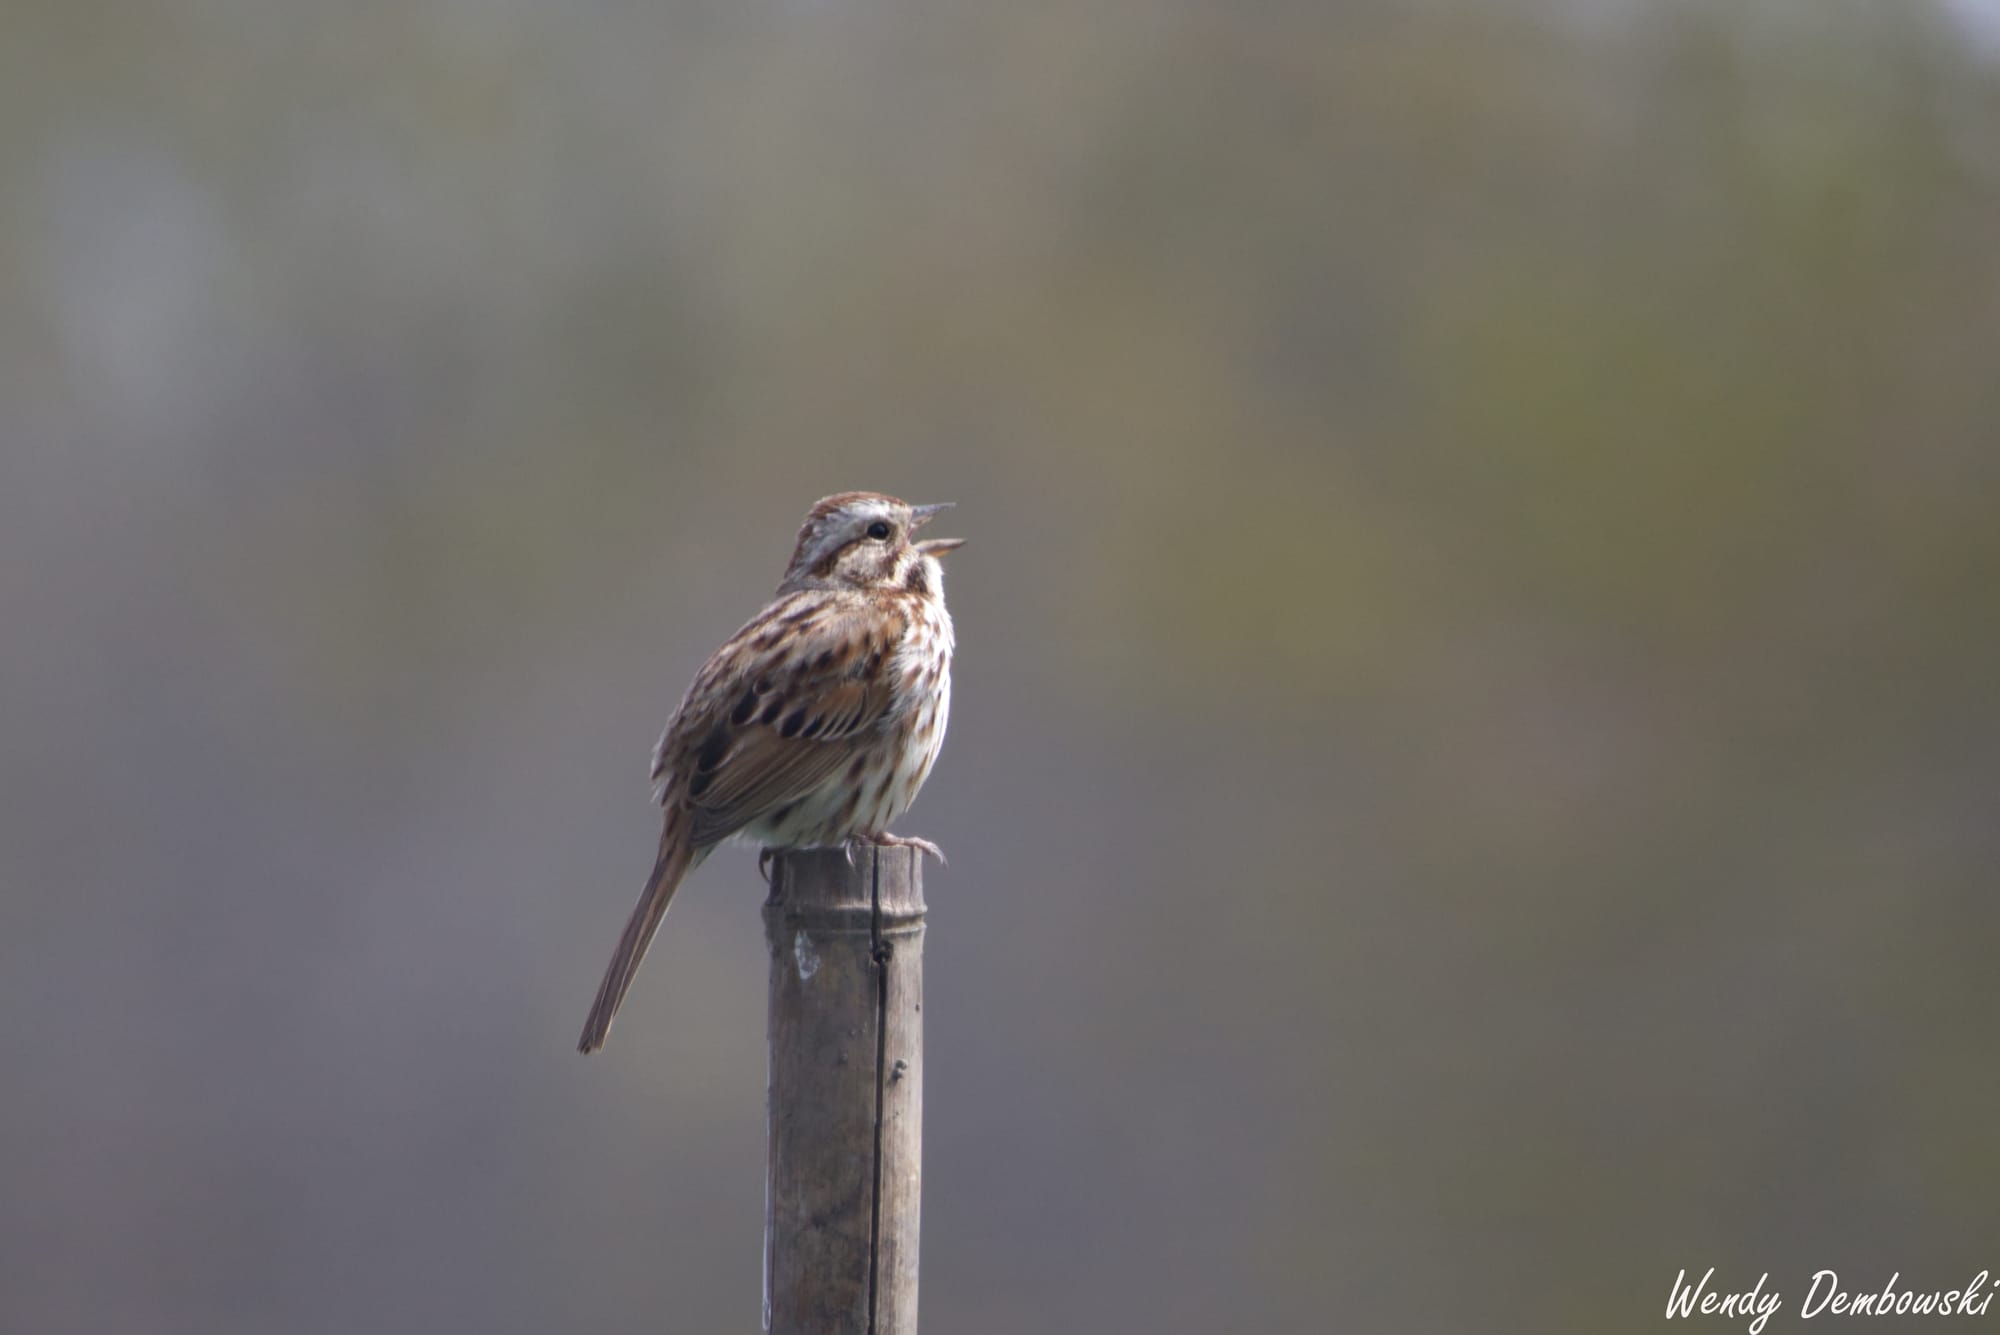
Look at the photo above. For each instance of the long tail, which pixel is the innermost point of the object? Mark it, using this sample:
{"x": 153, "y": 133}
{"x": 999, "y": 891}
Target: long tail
{"x": 675, "y": 857}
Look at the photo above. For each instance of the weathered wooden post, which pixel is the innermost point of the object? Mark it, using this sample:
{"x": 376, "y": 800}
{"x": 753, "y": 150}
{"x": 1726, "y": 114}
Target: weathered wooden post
{"x": 843, "y": 1181}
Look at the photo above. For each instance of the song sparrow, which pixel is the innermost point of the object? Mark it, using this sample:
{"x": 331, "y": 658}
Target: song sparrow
{"x": 816, "y": 723}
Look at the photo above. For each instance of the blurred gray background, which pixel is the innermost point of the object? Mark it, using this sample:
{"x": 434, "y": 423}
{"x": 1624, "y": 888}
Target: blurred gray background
{"x": 1476, "y": 748}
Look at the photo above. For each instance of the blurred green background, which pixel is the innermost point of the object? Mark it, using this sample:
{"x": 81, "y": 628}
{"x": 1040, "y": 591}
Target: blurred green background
{"x": 1474, "y": 774}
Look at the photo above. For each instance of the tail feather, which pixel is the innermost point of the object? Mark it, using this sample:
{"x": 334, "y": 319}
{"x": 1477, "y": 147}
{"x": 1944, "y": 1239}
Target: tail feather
{"x": 675, "y": 857}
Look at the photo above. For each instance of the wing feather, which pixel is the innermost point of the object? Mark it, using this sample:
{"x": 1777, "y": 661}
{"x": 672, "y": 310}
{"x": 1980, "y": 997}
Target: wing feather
{"x": 826, "y": 698}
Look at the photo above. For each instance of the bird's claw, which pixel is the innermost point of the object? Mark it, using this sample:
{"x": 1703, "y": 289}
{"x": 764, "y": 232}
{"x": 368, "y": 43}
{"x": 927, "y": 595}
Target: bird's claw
{"x": 893, "y": 841}
{"x": 923, "y": 846}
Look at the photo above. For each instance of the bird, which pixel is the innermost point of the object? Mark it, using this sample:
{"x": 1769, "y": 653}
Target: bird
{"x": 816, "y": 723}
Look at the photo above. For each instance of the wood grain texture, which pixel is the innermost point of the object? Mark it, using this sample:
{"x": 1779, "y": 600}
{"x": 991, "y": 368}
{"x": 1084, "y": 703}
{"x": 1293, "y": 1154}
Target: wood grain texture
{"x": 846, "y": 1092}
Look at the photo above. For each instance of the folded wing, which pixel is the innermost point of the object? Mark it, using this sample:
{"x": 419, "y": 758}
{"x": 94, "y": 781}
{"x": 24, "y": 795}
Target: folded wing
{"x": 782, "y": 715}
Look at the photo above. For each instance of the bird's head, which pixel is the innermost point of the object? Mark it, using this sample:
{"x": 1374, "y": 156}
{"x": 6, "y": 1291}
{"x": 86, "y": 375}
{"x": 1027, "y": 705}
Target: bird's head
{"x": 865, "y": 540}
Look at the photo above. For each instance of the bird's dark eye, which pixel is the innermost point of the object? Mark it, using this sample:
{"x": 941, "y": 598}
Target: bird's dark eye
{"x": 879, "y": 530}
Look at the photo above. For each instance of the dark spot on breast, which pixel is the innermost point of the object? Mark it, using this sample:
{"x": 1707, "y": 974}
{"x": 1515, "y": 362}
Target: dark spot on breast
{"x": 772, "y": 710}
{"x": 793, "y": 722}
{"x": 744, "y": 709}
{"x": 917, "y": 581}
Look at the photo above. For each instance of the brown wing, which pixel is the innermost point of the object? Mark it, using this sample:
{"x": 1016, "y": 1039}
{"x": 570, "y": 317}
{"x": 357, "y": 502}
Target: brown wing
{"x": 825, "y": 693}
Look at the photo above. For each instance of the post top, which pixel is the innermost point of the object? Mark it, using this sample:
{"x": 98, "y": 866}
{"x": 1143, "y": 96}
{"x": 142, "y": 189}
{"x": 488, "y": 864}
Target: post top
{"x": 822, "y": 882}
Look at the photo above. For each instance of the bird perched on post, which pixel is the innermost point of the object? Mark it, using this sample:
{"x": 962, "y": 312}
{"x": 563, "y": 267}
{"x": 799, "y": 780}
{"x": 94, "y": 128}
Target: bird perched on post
{"x": 816, "y": 724}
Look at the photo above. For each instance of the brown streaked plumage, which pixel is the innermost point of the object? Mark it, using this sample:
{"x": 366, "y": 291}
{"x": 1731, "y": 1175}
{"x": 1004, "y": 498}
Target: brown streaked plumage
{"x": 813, "y": 725}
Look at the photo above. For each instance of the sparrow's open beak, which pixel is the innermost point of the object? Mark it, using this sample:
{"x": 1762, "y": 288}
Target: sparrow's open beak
{"x": 923, "y": 514}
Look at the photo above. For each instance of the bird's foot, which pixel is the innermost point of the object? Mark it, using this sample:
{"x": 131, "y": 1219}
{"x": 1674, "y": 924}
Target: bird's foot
{"x": 924, "y": 846}
{"x": 887, "y": 840}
